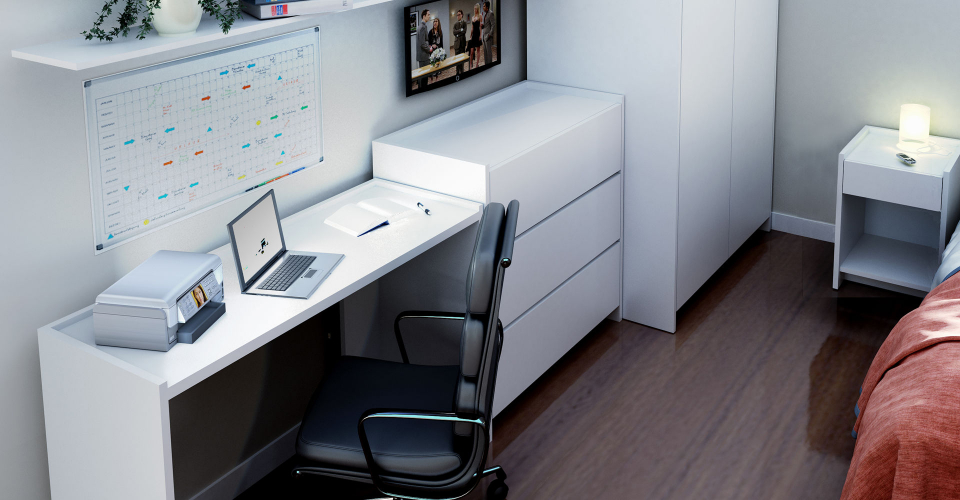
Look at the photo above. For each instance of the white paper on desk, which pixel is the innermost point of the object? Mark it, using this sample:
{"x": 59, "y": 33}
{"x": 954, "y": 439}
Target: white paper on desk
{"x": 392, "y": 210}
{"x": 355, "y": 221}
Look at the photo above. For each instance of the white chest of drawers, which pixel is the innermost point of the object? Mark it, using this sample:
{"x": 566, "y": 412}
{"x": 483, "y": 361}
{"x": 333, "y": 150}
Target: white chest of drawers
{"x": 559, "y": 151}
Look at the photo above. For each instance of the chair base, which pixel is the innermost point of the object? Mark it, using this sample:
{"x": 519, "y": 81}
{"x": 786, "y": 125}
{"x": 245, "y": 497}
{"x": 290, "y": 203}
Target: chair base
{"x": 497, "y": 490}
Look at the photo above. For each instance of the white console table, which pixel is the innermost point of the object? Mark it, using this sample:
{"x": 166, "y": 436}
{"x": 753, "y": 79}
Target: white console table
{"x": 893, "y": 220}
{"x": 559, "y": 151}
{"x": 106, "y": 409}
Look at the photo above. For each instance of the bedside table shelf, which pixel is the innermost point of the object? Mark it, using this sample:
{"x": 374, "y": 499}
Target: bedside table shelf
{"x": 896, "y": 262}
{"x": 893, "y": 220}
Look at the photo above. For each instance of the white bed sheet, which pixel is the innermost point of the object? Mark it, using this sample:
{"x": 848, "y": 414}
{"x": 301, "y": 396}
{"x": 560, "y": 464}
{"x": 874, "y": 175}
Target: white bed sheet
{"x": 951, "y": 259}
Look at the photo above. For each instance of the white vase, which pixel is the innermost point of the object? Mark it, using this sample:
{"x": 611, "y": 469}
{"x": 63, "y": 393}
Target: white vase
{"x": 177, "y": 17}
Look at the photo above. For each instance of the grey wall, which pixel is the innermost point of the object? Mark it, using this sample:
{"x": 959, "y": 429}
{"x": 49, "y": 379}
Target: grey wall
{"x": 849, "y": 63}
{"x": 48, "y": 265}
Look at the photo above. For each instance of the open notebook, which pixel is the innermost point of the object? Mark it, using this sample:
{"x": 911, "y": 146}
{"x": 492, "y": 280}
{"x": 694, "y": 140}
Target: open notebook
{"x": 367, "y": 215}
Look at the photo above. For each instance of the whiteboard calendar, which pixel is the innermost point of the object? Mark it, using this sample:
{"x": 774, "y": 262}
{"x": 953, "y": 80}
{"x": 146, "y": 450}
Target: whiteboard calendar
{"x": 169, "y": 141}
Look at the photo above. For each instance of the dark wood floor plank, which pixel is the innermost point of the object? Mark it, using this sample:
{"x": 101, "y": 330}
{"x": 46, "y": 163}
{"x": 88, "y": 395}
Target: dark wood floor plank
{"x": 755, "y": 401}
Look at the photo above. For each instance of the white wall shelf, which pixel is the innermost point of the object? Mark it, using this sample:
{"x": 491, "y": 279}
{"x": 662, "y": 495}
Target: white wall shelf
{"x": 78, "y": 54}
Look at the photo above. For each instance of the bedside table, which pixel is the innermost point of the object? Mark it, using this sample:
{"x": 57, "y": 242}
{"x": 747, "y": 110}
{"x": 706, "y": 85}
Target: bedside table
{"x": 893, "y": 220}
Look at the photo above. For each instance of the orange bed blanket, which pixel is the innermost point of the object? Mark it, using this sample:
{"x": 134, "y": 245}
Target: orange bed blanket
{"x": 908, "y": 414}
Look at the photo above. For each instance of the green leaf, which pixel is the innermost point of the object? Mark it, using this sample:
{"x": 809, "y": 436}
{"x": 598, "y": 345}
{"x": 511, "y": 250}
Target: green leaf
{"x": 226, "y": 12}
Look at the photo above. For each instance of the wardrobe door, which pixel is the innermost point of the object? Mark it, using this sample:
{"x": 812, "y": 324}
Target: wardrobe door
{"x": 706, "y": 102}
{"x": 754, "y": 107}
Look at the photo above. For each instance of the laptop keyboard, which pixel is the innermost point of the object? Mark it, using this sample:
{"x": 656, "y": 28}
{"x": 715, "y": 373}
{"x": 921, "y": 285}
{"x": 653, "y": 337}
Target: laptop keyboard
{"x": 290, "y": 271}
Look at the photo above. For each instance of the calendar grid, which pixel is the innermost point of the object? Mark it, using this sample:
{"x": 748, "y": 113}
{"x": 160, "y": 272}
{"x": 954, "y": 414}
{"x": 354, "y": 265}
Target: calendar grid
{"x": 180, "y": 145}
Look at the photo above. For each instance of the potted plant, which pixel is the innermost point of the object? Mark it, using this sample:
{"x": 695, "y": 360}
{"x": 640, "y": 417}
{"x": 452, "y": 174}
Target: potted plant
{"x": 169, "y": 17}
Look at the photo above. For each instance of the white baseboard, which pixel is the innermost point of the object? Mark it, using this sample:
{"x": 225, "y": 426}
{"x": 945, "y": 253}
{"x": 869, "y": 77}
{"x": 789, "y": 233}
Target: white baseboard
{"x": 252, "y": 469}
{"x": 799, "y": 226}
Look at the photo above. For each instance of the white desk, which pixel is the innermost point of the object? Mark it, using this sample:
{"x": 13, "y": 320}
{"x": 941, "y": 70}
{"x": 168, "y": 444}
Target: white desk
{"x": 106, "y": 409}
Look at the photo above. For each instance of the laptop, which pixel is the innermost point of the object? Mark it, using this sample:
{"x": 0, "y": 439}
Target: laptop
{"x": 264, "y": 265}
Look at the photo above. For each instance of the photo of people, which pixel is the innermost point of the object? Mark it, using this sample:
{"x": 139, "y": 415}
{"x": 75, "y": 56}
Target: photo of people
{"x": 199, "y": 296}
{"x": 453, "y": 39}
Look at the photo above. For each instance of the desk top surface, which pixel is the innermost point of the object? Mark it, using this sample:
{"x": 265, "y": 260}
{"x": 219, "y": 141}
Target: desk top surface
{"x": 251, "y": 321}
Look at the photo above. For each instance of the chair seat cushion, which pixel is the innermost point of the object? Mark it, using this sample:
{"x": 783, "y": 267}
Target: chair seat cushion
{"x": 329, "y": 435}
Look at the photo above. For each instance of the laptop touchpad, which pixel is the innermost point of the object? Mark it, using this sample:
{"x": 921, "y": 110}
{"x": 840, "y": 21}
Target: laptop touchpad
{"x": 310, "y": 273}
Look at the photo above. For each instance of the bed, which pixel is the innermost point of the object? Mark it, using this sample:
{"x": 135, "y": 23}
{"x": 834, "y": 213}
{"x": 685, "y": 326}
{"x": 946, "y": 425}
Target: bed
{"x": 908, "y": 413}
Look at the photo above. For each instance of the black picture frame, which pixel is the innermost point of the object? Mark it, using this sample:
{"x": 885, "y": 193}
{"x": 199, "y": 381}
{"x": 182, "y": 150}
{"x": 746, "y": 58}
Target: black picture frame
{"x": 411, "y": 31}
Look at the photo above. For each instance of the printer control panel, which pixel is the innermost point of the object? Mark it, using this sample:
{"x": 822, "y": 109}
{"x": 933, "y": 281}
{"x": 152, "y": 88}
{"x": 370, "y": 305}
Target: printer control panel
{"x": 200, "y": 295}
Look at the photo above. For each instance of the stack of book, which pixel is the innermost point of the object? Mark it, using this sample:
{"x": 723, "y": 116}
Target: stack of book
{"x": 272, "y": 9}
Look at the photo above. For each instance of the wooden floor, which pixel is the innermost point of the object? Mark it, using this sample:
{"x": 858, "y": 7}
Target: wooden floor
{"x": 752, "y": 398}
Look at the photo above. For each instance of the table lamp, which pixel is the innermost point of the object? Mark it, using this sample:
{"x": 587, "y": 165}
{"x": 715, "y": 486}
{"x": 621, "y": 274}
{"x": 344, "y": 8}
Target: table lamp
{"x": 914, "y": 127}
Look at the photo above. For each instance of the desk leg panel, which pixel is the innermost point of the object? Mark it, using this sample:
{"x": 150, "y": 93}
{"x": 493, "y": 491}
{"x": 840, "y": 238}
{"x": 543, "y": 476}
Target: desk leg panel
{"x": 107, "y": 427}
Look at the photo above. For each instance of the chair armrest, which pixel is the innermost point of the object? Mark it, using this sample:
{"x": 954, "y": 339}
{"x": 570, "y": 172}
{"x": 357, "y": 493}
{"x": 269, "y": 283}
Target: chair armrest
{"x": 419, "y": 315}
{"x": 375, "y": 473}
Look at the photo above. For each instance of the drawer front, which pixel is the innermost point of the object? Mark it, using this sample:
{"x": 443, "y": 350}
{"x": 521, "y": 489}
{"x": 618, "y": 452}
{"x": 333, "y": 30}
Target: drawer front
{"x": 542, "y": 336}
{"x": 894, "y": 186}
{"x": 553, "y": 174}
{"x": 547, "y": 255}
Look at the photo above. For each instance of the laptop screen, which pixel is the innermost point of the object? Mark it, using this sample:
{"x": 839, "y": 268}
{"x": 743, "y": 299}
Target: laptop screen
{"x": 257, "y": 239}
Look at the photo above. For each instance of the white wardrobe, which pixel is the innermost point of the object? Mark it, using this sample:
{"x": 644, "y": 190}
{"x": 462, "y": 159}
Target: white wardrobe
{"x": 699, "y": 80}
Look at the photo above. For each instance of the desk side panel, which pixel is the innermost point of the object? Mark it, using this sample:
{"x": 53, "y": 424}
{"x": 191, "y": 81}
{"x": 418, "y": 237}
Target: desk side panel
{"x": 105, "y": 426}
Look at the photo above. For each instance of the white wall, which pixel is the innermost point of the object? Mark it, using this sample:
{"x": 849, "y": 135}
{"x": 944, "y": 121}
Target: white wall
{"x": 49, "y": 268}
{"x": 844, "y": 64}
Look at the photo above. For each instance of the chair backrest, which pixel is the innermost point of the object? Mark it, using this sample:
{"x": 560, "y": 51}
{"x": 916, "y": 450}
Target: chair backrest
{"x": 482, "y": 335}
{"x": 480, "y": 345}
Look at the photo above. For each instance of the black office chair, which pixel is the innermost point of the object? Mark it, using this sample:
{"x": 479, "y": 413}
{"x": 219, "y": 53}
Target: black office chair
{"x": 420, "y": 432}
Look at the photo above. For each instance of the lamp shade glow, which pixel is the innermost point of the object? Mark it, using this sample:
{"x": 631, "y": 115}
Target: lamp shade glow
{"x": 914, "y": 126}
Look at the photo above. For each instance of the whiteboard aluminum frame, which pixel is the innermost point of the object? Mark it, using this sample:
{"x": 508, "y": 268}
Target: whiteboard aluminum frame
{"x": 86, "y": 83}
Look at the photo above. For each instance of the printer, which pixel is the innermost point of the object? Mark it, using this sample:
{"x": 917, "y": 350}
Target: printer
{"x": 172, "y": 297}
